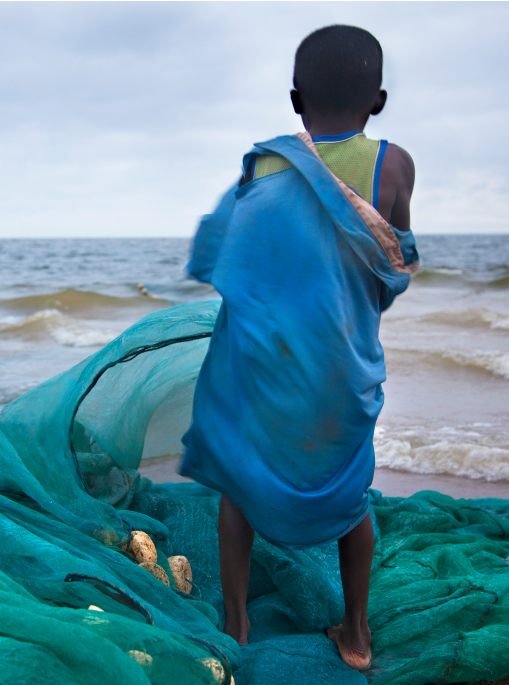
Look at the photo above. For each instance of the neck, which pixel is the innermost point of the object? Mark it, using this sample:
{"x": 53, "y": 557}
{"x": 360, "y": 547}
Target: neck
{"x": 333, "y": 124}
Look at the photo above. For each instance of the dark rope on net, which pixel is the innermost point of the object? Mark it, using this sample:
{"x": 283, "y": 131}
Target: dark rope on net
{"x": 129, "y": 601}
{"x": 129, "y": 528}
{"x": 459, "y": 647}
{"x": 194, "y": 588}
{"x": 185, "y": 595}
{"x": 122, "y": 597}
{"x": 127, "y": 357}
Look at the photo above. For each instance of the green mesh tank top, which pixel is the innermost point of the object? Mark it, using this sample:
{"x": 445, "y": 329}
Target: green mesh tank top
{"x": 352, "y": 157}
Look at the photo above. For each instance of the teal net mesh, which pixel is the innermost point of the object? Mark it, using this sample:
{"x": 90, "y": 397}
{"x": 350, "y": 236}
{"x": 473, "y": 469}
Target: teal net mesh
{"x": 70, "y": 495}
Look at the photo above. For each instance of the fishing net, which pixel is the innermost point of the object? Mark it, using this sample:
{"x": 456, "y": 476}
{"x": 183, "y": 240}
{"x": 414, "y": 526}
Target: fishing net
{"x": 70, "y": 496}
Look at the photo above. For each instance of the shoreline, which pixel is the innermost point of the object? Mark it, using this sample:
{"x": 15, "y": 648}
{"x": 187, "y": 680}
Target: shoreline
{"x": 394, "y": 483}
{"x": 391, "y": 483}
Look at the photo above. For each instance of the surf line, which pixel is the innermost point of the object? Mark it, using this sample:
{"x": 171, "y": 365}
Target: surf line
{"x": 127, "y": 357}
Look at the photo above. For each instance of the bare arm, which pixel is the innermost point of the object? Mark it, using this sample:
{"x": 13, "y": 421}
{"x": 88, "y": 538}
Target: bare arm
{"x": 397, "y": 179}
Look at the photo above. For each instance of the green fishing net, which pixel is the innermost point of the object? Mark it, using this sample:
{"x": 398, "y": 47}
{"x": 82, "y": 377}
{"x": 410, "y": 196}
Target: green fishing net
{"x": 70, "y": 495}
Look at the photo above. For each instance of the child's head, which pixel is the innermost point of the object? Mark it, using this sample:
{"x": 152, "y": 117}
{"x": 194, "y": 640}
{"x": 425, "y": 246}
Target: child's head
{"x": 338, "y": 69}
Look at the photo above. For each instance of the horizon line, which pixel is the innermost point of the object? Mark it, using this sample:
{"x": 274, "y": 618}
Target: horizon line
{"x": 188, "y": 237}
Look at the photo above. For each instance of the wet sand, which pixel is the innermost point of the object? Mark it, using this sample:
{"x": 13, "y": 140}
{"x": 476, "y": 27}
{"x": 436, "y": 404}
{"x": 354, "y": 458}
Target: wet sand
{"x": 402, "y": 484}
{"x": 391, "y": 483}
{"x": 162, "y": 470}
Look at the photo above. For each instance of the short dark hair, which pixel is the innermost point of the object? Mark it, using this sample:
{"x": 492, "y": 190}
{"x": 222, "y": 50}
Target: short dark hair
{"x": 339, "y": 68}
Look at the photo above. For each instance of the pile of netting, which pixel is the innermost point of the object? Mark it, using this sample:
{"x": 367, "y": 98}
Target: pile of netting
{"x": 71, "y": 496}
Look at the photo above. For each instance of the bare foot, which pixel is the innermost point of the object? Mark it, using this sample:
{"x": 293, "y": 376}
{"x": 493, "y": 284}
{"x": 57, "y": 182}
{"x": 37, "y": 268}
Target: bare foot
{"x": 353, "y": 645}
{"x": 238, "y": 628}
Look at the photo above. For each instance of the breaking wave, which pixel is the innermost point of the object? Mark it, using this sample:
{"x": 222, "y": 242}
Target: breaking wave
{"x": 77, "y": 300}
{"x": 495, "y": 363}
{"x": 475, "y": 317}
{"x": 460, "y": 453}
{"x": 61, "y": 328}
{"x": 445, "y": 276}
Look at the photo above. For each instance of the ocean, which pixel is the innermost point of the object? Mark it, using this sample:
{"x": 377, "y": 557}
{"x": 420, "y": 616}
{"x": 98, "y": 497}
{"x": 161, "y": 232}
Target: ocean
{"x": 446, "y": 339}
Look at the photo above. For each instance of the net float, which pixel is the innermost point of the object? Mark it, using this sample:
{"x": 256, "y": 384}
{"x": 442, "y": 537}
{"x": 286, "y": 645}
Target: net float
{"x": 141, "y": 658}
{"x": 157, "y": 571}
{"x": 141, "y": 547}
{"x": 182, "y": 574}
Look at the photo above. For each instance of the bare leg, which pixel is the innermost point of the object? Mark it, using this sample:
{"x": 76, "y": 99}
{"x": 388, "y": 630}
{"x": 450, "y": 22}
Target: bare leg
{"x": 235, "y": 543}
{"x": 353, "y": 636}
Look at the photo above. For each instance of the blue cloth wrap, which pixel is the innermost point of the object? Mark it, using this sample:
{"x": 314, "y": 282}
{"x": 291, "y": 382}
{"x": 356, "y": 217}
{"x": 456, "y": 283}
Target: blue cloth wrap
{"x": 288, "y": 395}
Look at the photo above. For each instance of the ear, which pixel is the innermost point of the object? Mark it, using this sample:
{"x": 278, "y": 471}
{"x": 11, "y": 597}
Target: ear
{"x": 379, "y": 103}
{"x": 296, "y": 102}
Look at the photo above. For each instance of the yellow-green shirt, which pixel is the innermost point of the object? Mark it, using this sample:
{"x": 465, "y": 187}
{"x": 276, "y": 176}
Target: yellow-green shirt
{"x": 352, "y": 157}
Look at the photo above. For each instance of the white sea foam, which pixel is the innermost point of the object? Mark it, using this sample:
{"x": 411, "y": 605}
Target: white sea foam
{"x": 497, "y": 320}
{"x": 8, "y": 323}
{"x": 491, "y": 362}
{"x": 494, "y": 362}
{"x": 450, "y": 451}
{"x": 61, "y": 328}
{"x": 80, "y": 336}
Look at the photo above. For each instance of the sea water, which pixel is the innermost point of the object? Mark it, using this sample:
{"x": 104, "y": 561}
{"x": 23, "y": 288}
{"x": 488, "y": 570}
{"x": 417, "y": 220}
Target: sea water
{"x": 446, "y": 344}
{"x": 446, "y": 339}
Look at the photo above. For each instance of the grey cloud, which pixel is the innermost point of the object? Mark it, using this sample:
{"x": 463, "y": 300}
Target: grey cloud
{"x": 131, "y": 118}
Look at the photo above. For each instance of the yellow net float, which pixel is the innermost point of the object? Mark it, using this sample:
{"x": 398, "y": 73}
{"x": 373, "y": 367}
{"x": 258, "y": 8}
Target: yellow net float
{"x": 181, "y": 571}
{"x": 142, "y": 658}
{"x": 141, "y": 547}
{"x": 217, "y": 670}
{"x": 157, "y": 571}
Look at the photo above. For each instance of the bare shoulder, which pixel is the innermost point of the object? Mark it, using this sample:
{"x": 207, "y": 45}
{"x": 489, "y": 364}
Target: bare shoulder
{"x": 399, "y": 166}
{"x": 396, "y": 185}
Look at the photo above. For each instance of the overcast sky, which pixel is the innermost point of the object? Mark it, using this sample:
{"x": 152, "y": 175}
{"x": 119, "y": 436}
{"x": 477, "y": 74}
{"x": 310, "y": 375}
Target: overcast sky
{"x": 130, "y": 118}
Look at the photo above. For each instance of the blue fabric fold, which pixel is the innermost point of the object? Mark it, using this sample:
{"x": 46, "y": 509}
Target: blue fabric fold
{"x": 288, "y": 396}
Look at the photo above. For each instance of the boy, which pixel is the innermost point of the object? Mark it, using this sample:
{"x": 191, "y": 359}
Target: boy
{"x": 290, "y": 390}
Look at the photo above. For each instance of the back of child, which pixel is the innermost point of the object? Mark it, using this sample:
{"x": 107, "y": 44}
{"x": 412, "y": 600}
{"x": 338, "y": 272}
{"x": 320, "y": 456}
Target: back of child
{"x": 290, "y": 390}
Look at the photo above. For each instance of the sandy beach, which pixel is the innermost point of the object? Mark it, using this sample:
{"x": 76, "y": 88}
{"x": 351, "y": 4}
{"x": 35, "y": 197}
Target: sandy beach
{"x": 401, "y": 484}
{"x": 390, "y": 482}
